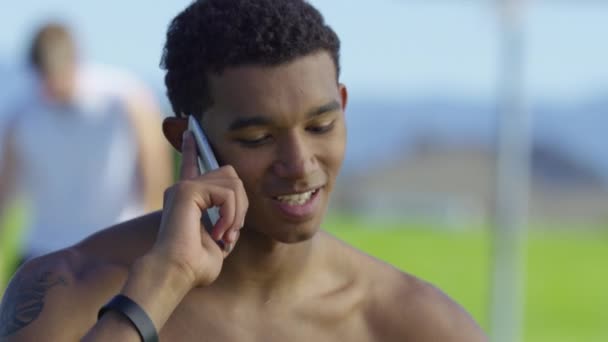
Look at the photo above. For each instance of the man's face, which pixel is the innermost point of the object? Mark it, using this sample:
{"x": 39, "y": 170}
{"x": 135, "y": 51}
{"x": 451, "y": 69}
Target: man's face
{"x": 59, "y": 71}
{"x": 282, "y": 128}
{"x": 60, "y": 84}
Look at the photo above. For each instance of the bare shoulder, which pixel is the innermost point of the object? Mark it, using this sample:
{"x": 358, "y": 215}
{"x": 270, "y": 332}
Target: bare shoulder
{"x": 409, "y": 308}
{"x": 49, "y": 297}
{"x": 57, "y": 296}
{"x": 401, "y": 307}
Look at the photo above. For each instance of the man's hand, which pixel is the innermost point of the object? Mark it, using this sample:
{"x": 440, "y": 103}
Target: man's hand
{"x": 182, "y": 240}
{"x": 184, "y": 255}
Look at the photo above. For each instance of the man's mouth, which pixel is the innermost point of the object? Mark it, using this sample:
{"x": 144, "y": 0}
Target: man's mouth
{"x": 297, "y": 198}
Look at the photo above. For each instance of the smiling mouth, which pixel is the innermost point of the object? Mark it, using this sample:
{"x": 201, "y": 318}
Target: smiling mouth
{"x": 297, "y": 198}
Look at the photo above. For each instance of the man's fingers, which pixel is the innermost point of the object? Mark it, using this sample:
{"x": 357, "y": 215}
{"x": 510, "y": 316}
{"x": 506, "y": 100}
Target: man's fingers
{"x": 227, "y": 212}
{"x": 221, "y": 188}
{"x": 226, "y": 177}
{"x": 232, "y": 242}
{"x": 189, "y": 165}
{"x": 240, "y": 200}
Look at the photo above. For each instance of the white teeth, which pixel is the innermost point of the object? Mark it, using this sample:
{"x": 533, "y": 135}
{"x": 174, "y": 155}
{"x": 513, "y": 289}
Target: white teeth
{"x": 296, "y": 199}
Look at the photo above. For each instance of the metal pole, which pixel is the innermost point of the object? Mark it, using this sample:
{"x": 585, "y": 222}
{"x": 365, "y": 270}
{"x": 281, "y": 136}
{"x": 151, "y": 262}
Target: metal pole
{"x": 512, "y": 186}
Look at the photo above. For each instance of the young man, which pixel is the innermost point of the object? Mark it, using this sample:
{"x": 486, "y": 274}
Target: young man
{"x": 262, "y": 78}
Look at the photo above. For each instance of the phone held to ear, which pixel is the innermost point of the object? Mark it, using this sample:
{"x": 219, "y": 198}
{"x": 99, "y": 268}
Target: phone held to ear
{"x": 206, "y": 162}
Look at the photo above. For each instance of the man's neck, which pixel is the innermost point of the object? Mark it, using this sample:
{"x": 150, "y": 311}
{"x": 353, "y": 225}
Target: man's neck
{"x": 266, "y": 269}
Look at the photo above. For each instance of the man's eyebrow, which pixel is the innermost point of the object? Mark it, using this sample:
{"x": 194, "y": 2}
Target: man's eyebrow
{"x": 329, "y": 107}
{"x": 241, "y": 123}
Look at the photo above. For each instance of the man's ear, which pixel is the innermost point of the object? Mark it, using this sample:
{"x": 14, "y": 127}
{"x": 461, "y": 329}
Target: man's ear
{"x": 343, "y": 96}
{"x": 173, "y": 129}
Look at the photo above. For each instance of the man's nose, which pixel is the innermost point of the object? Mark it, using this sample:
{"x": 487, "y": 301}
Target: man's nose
{"x": 295, "y": 159}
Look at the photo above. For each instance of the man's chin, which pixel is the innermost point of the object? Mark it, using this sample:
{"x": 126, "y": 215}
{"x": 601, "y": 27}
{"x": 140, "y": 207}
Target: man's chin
{"x": 291, "y": 233}
{"x": 298, "y": 236}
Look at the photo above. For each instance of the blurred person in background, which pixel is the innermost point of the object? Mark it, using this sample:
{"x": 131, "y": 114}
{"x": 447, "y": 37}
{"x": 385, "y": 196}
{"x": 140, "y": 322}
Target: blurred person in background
{"x": 83, "y": 148}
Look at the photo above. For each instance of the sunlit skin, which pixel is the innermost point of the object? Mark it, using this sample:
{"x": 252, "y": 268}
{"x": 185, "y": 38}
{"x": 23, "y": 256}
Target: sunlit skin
{"x": 59, "y": 85}
{"x": 58, "y": 72}
{"x": 283, "y": 130}
{"x": 276, "y": 130}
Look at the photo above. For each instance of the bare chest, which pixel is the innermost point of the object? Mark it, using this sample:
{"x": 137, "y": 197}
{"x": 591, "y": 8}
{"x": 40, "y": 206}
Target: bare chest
{"x": 269, "y": 328}
{"x": 338, "y": 318}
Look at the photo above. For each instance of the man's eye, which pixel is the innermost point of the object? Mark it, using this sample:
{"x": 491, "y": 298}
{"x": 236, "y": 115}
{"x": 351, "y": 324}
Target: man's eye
{"x": 255, "y": 141}
{"x": 318, "y": 129}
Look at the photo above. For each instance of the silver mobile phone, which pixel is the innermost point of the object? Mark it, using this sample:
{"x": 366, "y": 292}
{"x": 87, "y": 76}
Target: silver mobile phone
{"x": 206, "y": 162}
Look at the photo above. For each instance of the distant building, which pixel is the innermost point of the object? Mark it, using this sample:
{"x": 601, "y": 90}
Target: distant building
{"x": 454, "y": 185}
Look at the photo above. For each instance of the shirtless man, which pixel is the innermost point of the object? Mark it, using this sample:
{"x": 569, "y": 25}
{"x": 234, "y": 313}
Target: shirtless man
{"x": 262, "y": 78}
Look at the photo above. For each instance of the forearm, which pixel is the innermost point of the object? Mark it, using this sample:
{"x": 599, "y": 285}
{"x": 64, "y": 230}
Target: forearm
{"x": 157, "y": 289}
{"x": 112, "y": 327}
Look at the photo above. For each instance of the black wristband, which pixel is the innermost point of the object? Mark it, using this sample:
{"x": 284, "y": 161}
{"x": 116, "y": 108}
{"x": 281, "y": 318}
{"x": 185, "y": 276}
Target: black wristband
{"x": 136, "y": 315}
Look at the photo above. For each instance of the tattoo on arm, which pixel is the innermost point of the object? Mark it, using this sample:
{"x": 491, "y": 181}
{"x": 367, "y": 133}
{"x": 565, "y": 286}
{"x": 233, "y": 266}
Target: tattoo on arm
{"x": 24, "y": 301}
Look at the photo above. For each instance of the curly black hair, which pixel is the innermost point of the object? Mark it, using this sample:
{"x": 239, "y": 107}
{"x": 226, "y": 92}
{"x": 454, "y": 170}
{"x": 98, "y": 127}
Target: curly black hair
{"x": 212, "y": 35}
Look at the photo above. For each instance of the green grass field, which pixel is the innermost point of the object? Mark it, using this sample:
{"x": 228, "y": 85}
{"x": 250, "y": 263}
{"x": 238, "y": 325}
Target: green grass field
{"x": 566, "y": 273}
{"x": 10, "y": 234}
{"x": 566, "y": 278}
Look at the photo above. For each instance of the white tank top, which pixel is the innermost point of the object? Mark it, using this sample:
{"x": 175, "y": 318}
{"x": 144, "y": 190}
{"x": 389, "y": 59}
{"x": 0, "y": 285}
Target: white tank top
{"x": 78, "y": 169}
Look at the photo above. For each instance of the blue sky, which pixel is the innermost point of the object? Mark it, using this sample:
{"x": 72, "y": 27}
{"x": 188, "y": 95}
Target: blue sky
{"x": 391, "y": 48}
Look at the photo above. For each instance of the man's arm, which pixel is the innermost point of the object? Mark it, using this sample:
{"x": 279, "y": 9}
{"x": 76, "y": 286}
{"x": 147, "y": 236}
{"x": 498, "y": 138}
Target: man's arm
{"x": 35, "y": 306}
{"x": 65, "y": 289}
{"x": 155, "y": 166}
{"x": 57, "y": 298}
